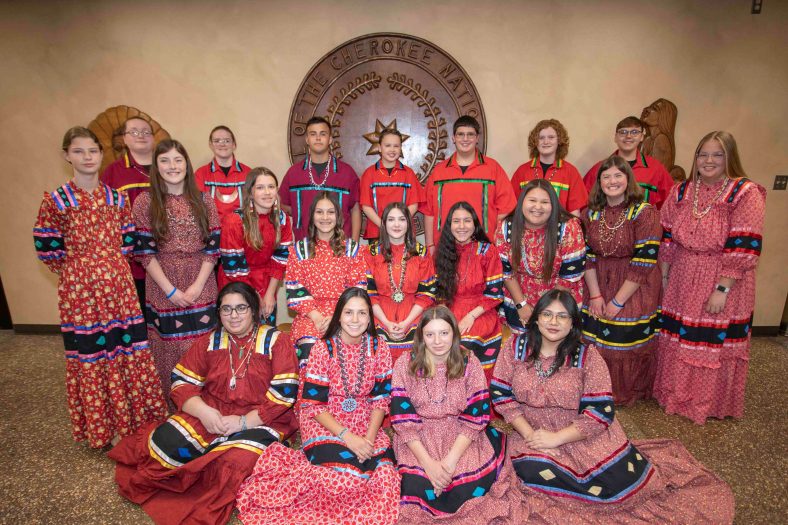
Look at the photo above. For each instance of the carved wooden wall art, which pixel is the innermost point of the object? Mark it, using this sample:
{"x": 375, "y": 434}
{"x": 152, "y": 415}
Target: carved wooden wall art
{"x": 386, "y": 80}
{"x": 660, "y": 120}
{"x": 108, "y": 127}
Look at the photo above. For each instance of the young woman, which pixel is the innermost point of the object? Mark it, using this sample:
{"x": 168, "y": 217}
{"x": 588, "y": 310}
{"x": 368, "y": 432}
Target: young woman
{"x": 224, "y": 176}
{"x": 387, "y": 181}
{"x": 83, "y": 233}
{"x": 345, "y": 471}
{"x": 319, "y": 268}
{"x": 470, "y": 283}
{"x": 572, "y": 457}
{"x": 178, "y": 244}
{"x": 541, "y": 247}
{"x": 255, "y": 241}
{"x": 712, "y": 241}
{"x": 234, "y": 389}
{"x": 548, "y": 144}
{"x": 400, "y": 279}
{"x": 451, "y": 462}
{"x": 622, "y": 279}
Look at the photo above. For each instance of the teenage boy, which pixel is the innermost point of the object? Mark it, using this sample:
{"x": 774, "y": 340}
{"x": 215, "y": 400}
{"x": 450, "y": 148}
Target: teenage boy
{"x": 320, "y": 171}
{"x": 466, "y": 176}
{"x": 224, "y": 176}
{"x": 650, "y": 174}
{"x": 130, "y": 173}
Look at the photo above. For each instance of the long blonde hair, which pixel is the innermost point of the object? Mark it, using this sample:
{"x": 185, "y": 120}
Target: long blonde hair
{"x": 249, "y": 214}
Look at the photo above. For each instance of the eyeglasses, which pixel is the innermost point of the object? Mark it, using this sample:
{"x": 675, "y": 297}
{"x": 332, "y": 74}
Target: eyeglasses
{"x": 631, "y": 132}
{"x": 717, "y": 155}
{"x": 470, "y": 135}
{"x": 547, "y": 316}
{"x": 222, "y": 141}
{"x": 137, "y": 133}
{"x": 228, "y": 310}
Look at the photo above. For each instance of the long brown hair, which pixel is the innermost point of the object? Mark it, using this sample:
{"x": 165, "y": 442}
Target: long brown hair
{"x": 158, "y": 194}
{"x": 597, "y": 200}
{"x": 421, "y": 364}
{"x": 733, "y": 167}
{"x": 337, "y": 241}
{"x": 249, "y": 214}
{"x": 557, "y": 216}
{"x": 384, "y": 243}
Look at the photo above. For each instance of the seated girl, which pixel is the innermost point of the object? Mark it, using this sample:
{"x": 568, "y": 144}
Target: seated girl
{"x": 234, "y": 389}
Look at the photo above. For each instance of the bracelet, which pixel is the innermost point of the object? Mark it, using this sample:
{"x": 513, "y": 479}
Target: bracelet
{"x": 595, "y": 297}
{"x": 175, "y": 289}
{"x": 243, "y": 422}
{"x": 521, "y": 304}
{"x": 615, "y": 303}
{"x": 342, "y": 433}
{"x": 722, "y": 288}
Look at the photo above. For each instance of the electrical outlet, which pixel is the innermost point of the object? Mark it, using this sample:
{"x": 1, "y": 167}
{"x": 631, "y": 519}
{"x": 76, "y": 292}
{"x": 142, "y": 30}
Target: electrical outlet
{"x": 780, "y": 182}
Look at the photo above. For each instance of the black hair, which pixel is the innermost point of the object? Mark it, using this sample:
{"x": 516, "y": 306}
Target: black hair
{"x": 446, "y": 257}
{"x": 384, "y": 243}
{"x": 318, "y": 120}
{"x": 244, "y": 290}
{"x": 334, "y": 326}
{"x": 570, "y": 346}
{"x": 466, "y": 121}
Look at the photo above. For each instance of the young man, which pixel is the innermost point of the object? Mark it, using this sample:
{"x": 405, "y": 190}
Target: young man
{"x": 320, "y": 171}
{"x": 548, "y": 145}
{"x": 130, "y": 173}
{"x": 650, "y": 174}
{"x": 466, "y": 176}
{"x": 224, "y": 176}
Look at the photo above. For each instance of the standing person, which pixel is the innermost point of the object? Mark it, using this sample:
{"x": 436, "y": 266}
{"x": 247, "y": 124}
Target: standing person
{"x": 548, "y": 144}
{"x": 451, "y": 461}
{"x": 711, "y": 244}
{"x": 470, "y": 283}
{"x": 541, "y": 248}
{"x": 387, "y": 181}
{"x": 224, "y": 176}
{"x": 255, "y": 241}
{"x": 622, "y": 279}
{"x": 178, "y": 244}
{"x": 319, "y": 268}
{"x": 130, "y": 173}
{"x": 345, "y": 471}
{"x": 466, "y": 176}
{"x": 650, "y": 174}
{"x": 400, "y": 279}
{"x": 320, "y": 172}
{"x": 573, "y": 459}
{"x": 83, "y": 233}
{"x": 234, "y": 389}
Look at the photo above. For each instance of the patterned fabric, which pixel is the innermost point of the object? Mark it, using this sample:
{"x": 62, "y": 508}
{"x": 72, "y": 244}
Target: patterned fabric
{"x": 650, "y": 174}
{"x": 702, "y": 358}
{"x": 110, "y": 378}
{"x": 211, "y": 179}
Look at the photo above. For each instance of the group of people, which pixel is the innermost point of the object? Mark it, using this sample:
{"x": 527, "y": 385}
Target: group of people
{"x": 391, "y": 332}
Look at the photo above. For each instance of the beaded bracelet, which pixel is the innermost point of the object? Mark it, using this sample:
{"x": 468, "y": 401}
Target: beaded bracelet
{"x": 615, "y": 303}
{"x": 175, "y": 289}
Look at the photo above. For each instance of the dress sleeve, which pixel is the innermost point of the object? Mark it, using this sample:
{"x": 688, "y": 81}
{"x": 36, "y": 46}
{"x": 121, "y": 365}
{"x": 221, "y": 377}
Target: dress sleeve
{"x": 667, "y": 214}
{"x": 231, "y": 247}
{"x": 372, "y": 285}
{"x": 743, "y": 245}
{"x": 492, "y": 297}
{"x": 284, "y": 380}
{"x": 585, "y": 219}
{"x": 299, "y": 298}
{"x": 504, "y": 249}
{"x": 278, "y": 262}
{"x": 145, "y": 245}
{"x": 476, "y": 415}
{"x": 48, "y": 235}
{"x": 404, "y": 419}
{"x": 573, "y": 259}
{"x": 380, "y": 396}
{"x": 313, "y": 392}
{"x": 596, "y": 411}
{"x": 503, "y": 399}
{"x": 647, "y": 234}
{"x": 188, "y": 376}
{"x": 425, "y": 293}
{"x": 211, "y": 250}
{"x": 505, "y": 200}
{"x": 357, "y": 272}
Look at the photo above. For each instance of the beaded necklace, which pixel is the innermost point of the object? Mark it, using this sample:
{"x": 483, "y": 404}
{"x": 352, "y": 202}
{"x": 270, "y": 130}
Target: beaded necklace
{"x": 243, "y": 348}
{"x": 532, "y": 256}
{"x": 542, "y": 373}
{"x": 397, "y": 294}
{"x": 546, "y": 177}
{"x": 350, "y": 403}
{"x": 607, "y": 233}
{"x": 326, "y": 172}
{"x": 699, "y": 215}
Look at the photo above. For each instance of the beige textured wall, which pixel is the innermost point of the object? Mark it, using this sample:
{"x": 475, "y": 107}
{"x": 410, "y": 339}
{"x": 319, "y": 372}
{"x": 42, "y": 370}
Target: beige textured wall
{"x": 194, "y": 64}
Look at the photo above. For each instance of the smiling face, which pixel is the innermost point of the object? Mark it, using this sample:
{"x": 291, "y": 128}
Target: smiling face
{"x": 547, "y": 145}
{"x": 84, "y": 155}
{"x": 232, "y": 321}
{"x": 627, "y": 142}
{"x": 354, "y": 319}
{"x": 461, "y": 225}
{"x": 536, "y": 208}
{"x": 318, "y": 139}
{"x": 264, "y": 193}
{"x": 554, "y": 322}
{"x": 138, "y": 137}
{"x": 465, "y": 140}
{"x": 438, "y": 337}
{"x": 390, "y": 150}
{"x": 614, "y": 184}
{"x": 222, "y": 144}
{"x": 396, "y": 226}
{"x": 172, "y": 169}
{"x": 710, "y": 162}
{"x": 325, "y": 218}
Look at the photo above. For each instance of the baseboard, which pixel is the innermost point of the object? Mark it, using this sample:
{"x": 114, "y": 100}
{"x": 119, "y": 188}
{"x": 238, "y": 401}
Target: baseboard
{"x": 37, "y": 329}
{"x": 765, "y": 331}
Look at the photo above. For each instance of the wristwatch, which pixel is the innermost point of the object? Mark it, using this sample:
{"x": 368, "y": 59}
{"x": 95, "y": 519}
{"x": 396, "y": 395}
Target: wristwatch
{"x": 520, "y": 304}
{"x": 723, "y": 289}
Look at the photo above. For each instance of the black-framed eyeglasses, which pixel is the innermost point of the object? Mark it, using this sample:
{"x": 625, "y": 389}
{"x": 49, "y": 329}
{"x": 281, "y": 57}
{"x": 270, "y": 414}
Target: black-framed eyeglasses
{"x": 228, "y": 310}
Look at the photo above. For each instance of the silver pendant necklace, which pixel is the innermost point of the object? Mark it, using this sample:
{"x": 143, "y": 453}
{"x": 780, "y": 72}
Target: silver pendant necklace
{"x": 350, "y": 404}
